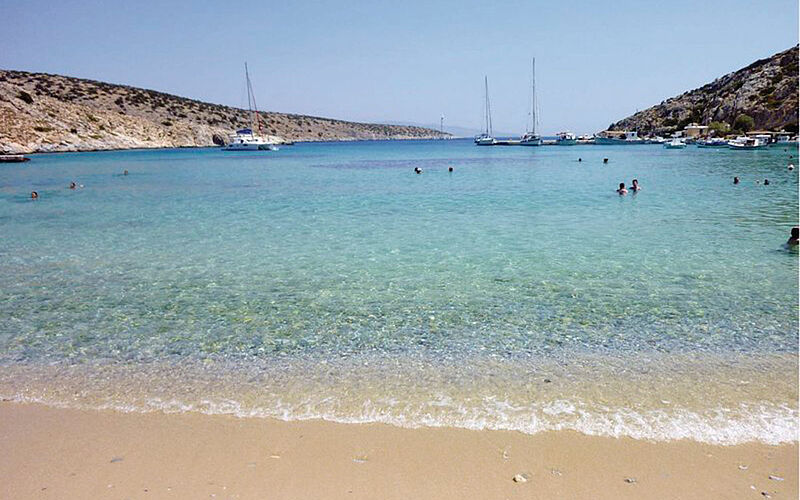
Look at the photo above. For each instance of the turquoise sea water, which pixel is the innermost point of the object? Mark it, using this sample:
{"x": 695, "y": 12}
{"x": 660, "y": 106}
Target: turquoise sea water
{"x": 329, "y": 281}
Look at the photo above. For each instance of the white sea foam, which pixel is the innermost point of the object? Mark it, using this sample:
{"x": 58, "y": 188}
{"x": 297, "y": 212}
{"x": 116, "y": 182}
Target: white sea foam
{"x": 765, "y": 423}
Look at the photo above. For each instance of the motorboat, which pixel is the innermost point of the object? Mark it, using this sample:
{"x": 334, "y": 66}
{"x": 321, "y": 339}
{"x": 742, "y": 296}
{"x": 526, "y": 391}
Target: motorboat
{"x": 675, "y": 144}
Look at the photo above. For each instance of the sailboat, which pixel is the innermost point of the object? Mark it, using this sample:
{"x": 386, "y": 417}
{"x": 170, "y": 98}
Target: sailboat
{"x": 245, "y": 139}
{"x": 531, "y": 138}
{"x": 486, "y": 139}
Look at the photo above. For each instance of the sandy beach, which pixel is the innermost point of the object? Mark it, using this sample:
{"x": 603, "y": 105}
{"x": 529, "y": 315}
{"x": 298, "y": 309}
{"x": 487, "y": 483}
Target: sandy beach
{"x": 65, "y": 453}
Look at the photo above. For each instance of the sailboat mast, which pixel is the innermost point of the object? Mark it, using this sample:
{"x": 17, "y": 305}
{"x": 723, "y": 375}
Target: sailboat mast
{"x": 533, "y": 96}
{"x": 486, "y": 104}
{"x": 251, "y": 102}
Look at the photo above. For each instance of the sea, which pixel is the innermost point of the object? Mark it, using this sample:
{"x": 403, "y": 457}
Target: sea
{"x": 330, "y": 281}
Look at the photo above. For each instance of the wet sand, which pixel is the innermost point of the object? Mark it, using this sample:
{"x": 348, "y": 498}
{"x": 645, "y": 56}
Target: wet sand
{"x": 63, "y": 453}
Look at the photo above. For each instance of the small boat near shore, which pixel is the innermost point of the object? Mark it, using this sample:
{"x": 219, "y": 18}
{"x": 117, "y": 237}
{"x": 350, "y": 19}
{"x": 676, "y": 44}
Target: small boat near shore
{"x": 675, "y": 144}
{"x": 566, "y": 139}
{"x": 712, "y": 143}
{"x": 13, "y": 158}
{"x": 747, "y": 143}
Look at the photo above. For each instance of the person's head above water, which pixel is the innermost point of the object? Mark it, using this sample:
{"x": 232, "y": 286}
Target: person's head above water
{"x": 72, "y": 185}
{"x": 766, "y": 182}
{"x": 124, "y": 172}
{"x": 449, "y": 169}
{"x": 794, "y": 237}
{"x": 736, "y": 180}
{"x": 622, "y": 189}
{"x": 34, "y": 195}
{"x": 605, "y": 160}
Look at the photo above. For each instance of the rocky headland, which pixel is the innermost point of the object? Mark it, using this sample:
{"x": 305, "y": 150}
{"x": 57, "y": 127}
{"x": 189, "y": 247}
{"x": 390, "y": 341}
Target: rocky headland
{"x": 766, "y": 91}
{"x": 50, "y": 113}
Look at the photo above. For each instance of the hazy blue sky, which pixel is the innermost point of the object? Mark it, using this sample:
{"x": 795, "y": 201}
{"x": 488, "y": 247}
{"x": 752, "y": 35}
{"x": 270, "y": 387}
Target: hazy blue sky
{"x": 404, "y": 60}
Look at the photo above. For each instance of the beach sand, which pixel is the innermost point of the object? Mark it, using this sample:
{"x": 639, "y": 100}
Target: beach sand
{"x": 64, "y": 453}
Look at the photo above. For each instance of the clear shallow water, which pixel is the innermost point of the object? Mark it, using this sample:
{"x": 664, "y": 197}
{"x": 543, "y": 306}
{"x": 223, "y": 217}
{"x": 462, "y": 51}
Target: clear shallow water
{"x": 328, "y": 280}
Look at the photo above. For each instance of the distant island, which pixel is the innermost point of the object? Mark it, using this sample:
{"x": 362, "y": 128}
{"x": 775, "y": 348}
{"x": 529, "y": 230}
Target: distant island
{"x": 53, "y": 113}
{"x": 760, "y": 96}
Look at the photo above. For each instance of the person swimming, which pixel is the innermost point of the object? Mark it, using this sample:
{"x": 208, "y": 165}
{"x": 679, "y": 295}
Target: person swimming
{"x": 794, "y": 237}
{"x": 635, "y": 185}
{"x": 124, "y": 172}
{"x": 34, "y": 195}
{"x": 417, "y": 170}
{"x": 72, "y": 185}
{"x": 791, "y": 166}
{"x": 580, "y": 160}
{"x": 766, "y": 182}
{"x": 605, "y": 160}
{"x": 622, "y": 191}
{"x": 736, "y": 180}
{"x": 449, "y": 169}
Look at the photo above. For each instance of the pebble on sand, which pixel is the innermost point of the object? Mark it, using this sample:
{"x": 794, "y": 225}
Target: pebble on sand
{"x": 775, "y": 478}
{"x": 630, "y": 480}
{"x": 520, "y": 478}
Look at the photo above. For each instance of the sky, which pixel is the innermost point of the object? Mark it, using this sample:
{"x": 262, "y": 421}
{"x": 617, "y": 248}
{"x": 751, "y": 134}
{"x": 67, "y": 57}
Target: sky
{"x": 404, "y": 61}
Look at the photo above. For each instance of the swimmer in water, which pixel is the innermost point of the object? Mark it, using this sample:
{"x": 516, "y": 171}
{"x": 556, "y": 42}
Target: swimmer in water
{"x": 766, "y": 182}
{"x": 72, "y": 185}
{"x": 580, "y": 160}
{"x": 736, "y": 180}
{"x": 34, "y": 195}
{"x": 417, "y": 170}
{"x": 622, "y": 191}
{"x": 635, "y": 185}
{"x": 124, "y": 172}
{"x": 605, "y": 160}
{"x": 794, "y": 238}
{"x": 449, "y": 169}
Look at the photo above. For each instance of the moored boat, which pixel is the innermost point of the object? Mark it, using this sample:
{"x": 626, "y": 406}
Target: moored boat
{"x": 12, "y": 158}
{"x": 486, "y": 139}
{"x": 531, "y": 138}
{"x": 675, "y": 144}
{"x": 743, "y": 143}
{"x": 566, "y": 139}
{"x": 618, "y": 138}
{"x": 245, "y": 139}
{"x": 712, "y": 143}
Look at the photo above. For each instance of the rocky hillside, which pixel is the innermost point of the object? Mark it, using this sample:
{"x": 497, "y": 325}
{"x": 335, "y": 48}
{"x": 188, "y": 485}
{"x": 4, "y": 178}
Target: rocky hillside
{"x": 766, "y": 91}
{"x": 41, "y": 112}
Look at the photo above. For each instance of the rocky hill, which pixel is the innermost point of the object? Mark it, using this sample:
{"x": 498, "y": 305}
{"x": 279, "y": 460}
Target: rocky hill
{"x": 41, "y": 112}
{"x": 765, "y": 90}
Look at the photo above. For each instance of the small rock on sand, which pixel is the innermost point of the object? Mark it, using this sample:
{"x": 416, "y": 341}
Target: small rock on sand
{"x": 775, "y": 478}
{"x": 116, "y": 459}
{"x": 765, "y": 494}
{"x": 520, "y": 478}
{"x": 630, "y": 480}
{"x": 743, "y": 467}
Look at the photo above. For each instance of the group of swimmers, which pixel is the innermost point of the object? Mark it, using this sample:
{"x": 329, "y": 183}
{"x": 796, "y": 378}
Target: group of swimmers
{"x": 736, "y": 180}
{"x": 418, "y": 170}
{"x": 72, "y": 185}
{"x": 635, "y": 187}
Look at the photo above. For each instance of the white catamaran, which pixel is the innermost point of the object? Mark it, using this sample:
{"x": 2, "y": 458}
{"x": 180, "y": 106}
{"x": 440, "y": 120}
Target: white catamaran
{"x": 486, "y": 139}
{"x": 246, "y": 139}
{"x": 531, "y": 138}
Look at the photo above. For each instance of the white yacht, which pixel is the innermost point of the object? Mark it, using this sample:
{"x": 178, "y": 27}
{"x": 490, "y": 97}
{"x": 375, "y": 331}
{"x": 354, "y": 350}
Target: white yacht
{"x": 531, "y": 138}
{"x": 245, "y": 139}
{"x": 746, "y": 143}
{"x": 486, "y": 139}
{"x": 675, "y": 144}
{"x": 566, "y": 139}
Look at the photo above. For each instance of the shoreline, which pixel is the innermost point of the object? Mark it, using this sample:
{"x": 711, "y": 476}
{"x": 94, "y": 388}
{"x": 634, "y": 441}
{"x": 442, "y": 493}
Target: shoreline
{"x": 67, "y": 453}
{"x": 289, "y": 143}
